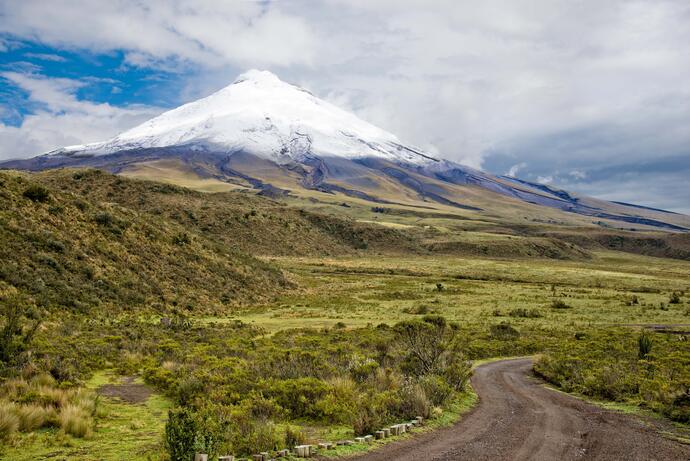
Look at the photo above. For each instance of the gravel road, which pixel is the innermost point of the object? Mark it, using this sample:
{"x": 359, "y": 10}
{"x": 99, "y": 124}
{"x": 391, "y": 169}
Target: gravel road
{"x": 517, "y": 418}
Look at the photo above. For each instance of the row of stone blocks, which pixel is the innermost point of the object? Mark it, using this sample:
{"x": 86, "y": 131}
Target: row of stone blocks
{"x": 306, "y": 451}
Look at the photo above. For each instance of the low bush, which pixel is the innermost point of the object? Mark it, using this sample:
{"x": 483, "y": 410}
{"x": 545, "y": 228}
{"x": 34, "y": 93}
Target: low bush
{"x": 525, "y": 313}
{"x": 504, "y": 331}
{"x": 560, "y": 304}
{"x": 37, "y": 193}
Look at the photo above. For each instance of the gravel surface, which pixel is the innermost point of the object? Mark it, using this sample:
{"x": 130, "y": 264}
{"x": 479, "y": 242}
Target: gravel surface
{"x": 517, "y": 418}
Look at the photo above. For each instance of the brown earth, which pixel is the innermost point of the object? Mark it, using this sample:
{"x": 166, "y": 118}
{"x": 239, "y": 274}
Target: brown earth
{"x": 518, "y": 418}
{"x": 128, "y": 391}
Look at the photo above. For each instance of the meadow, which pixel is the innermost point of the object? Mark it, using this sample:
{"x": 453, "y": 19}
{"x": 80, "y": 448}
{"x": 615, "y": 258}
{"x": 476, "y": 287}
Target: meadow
{"x": 345, "y": 307}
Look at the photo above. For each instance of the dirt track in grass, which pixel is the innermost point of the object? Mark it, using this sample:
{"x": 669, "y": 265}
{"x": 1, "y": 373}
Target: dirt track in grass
{"x": 517, "y": 418}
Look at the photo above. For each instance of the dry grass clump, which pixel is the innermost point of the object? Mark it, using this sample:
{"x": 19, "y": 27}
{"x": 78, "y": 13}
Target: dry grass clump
{"x": 32, "y": 404}
{"x": 9, "y": 421}
{"x": 74, "y": 420}
{"x": 32, "y": 417}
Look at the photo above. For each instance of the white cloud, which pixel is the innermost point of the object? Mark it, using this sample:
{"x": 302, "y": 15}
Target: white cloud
{"x": 61, "y": 118}
{"x": 45, "y": 57}
{"x": 515, "y": 169}
{"x": 578, "y": 174}
{"x": 545, "y": 179}
{"x": 212, "y": 33}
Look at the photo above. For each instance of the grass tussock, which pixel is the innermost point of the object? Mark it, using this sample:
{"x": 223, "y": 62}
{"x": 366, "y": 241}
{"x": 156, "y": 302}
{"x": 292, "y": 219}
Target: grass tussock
{"x": 29, "y": 405}
{"x": 76, "y": 421}
{"x": 9, "y": 421}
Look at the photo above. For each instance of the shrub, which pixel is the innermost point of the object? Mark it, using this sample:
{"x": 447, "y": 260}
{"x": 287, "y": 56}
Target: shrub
{"x": 560, "y": 304}
{"x": 181, "y": 239}
{"x": 367, "y": 420}
{"x": 75, "y": 421}
{"x": 180, "y": 433}
{"x": 674, "y": 298}
{"x": 504, "y": 331}
{"x": 437, "y": 389}
{"x": 9, "y": 421}
{"x": 104, "y": 219}
{"x": 294, "y": 437}
{"x": 37, "y": 193}
{"x": 337, "y": 405}
{"x": 457, "y": 372}
{"x": 524, "y": 313}
{"x": 414, "y": 401}
{"x": 644, "y": 346}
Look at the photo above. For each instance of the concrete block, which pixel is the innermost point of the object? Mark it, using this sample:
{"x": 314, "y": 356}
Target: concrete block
{"x": 360, "y": 440}
{"x": 420, "y": 420}
{"x": 379, "y": 435}
{"x": 282, "y": 453}
{"x": 226, "y": 458}
{"x": 386, "y": 432}
{"x": 200, "y": 457}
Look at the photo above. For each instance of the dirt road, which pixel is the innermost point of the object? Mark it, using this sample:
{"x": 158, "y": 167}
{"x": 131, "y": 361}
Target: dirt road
{"x": 519, "y": 419}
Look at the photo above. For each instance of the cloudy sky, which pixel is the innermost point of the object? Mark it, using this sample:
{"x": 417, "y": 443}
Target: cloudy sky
{"x": 592, "y": 96}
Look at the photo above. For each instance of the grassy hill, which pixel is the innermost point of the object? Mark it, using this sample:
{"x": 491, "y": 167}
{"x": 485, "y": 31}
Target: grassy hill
{"x": 80, "y": 251}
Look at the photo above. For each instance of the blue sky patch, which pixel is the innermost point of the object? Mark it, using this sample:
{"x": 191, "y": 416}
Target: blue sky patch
{"x": 104, "y": 78}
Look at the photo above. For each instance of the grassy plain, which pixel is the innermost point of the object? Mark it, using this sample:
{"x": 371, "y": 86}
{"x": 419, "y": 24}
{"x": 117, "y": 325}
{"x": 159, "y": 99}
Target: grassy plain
{"x": 388, "y": 289}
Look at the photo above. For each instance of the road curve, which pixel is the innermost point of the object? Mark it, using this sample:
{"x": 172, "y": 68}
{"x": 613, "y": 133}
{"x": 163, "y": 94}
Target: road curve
{"x": 519, "y": 419}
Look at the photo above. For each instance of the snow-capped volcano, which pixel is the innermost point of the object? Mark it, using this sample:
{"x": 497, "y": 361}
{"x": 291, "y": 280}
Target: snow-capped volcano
{"x": 260, "y": 114}
{"x": 262, "y": 133}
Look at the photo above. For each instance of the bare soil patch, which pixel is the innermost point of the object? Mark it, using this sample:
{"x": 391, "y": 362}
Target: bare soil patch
{"x": 128, "y": 391}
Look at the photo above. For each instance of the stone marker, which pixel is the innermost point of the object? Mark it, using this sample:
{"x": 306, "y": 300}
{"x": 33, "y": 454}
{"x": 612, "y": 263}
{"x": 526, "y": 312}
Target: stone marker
{"x": 226, "y": 458}
{"x": 258, "y": 457}
{"x": 303, "y": 451}
{"x": 408, "y": 426}
{"x": 379, "y": 435}
{"x": 360, "y": 440}
{"x": 281, "y": 453}
{"x": 200, "y": 457}
{"x": 386, "y": 432}
{"x": 368, "y": 438}
{"x": 420, "y": 420}
{"x": 395, "y": 430}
